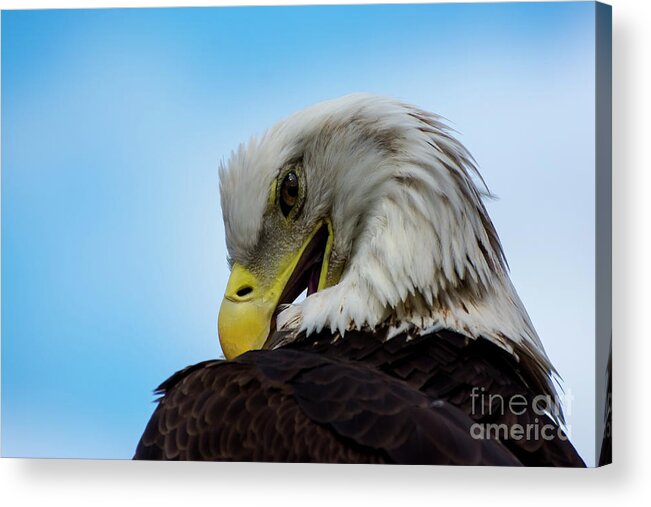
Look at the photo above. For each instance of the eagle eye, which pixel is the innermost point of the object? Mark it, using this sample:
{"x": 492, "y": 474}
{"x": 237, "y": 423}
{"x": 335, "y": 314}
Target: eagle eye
{"x": 288, "y": 193}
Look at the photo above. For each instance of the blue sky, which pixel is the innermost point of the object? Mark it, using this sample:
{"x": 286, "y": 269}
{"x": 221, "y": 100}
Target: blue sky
{"x": 113, "y": 125}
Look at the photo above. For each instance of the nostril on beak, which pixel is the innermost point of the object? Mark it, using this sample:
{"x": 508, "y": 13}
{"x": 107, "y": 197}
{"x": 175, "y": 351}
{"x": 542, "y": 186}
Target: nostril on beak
{"x": 244, "y": 291}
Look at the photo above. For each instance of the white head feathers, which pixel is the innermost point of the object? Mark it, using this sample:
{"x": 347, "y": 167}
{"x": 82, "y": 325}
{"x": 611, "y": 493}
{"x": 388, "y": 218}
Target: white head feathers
{"x": 409, "y": 224}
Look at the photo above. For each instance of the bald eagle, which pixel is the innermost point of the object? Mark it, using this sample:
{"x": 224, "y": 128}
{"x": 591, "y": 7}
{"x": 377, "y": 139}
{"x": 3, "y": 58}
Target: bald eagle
{"x": 411, "y": 346}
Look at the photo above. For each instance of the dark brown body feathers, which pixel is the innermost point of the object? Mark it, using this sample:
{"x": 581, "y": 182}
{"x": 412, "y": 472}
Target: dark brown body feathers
{"x": 359, "y": 399}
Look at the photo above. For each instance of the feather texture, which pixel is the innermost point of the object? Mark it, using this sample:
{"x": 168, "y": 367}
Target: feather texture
{"x": 360, "y": 400}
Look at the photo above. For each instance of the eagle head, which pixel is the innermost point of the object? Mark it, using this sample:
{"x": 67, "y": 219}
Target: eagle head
{"x": 374, "y": 208}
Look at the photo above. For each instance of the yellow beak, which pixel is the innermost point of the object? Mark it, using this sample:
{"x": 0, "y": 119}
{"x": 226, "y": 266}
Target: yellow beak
{"x": 245, "y": 314}
{"x": 248, "y": 306}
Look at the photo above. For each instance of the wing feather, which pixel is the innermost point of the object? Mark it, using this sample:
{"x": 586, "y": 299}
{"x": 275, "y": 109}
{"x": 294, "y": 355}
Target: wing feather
{"x": 294, "y": 406}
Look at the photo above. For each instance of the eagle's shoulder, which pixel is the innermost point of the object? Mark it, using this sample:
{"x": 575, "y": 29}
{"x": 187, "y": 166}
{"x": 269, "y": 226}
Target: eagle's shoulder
{"x": 298, "y": 405}
{"x": 180, "y": 375}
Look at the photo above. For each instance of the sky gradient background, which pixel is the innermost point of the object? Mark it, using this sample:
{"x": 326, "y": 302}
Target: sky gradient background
{"x": 113, "y": 125}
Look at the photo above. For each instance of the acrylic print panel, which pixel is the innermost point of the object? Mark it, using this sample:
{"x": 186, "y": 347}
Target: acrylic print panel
{"x": 124, "y": 263}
